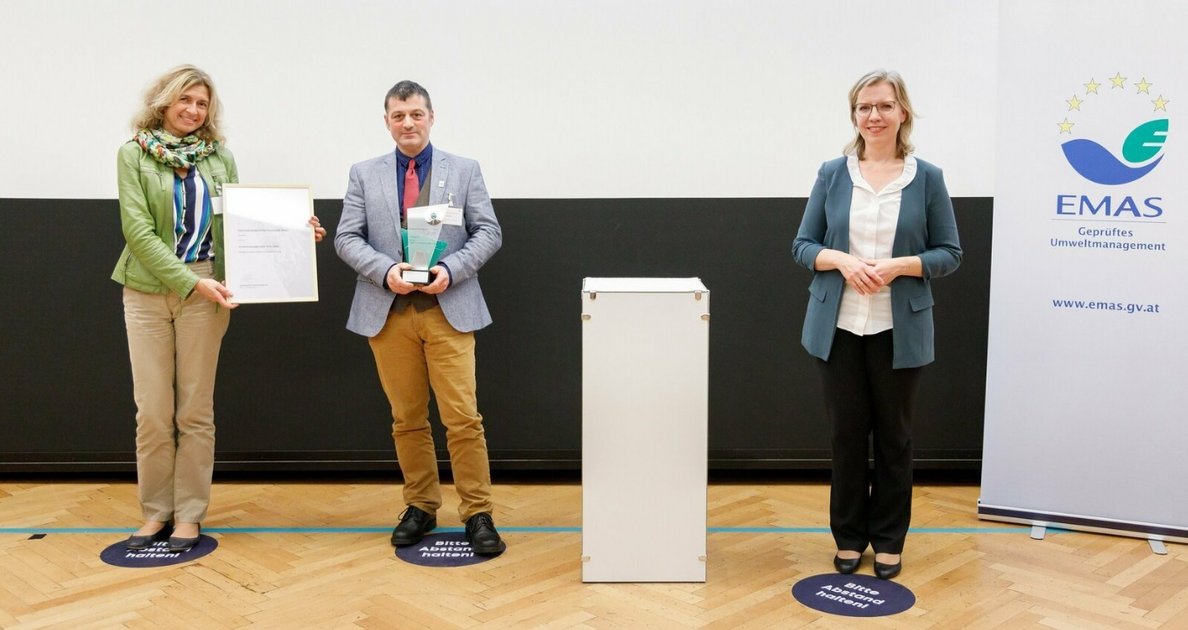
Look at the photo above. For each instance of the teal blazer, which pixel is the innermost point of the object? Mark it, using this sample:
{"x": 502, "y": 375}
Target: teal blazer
{"x": 926, "y": 228}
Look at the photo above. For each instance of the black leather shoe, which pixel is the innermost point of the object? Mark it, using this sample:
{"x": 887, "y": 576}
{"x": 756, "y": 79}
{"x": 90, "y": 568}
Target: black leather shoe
{"x": 887, "y": 571}
{"x": 140, "y": 543}
{"x": 846, "y": 566}
{"x": 484, "y": 540}
{"x": 177, "y": 544}
{"x": 414, "y": 524}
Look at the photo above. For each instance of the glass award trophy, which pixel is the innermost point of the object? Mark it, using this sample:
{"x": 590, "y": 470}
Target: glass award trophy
{"x": 421, "y": 247}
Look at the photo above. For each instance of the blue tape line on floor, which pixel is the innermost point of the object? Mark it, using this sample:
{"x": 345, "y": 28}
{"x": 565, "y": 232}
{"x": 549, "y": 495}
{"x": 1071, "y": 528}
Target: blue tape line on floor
{"x": 506, "y": 529}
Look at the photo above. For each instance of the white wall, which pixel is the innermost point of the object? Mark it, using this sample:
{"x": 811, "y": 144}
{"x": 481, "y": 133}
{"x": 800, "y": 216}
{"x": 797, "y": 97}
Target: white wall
{"x": 556, "y": 98}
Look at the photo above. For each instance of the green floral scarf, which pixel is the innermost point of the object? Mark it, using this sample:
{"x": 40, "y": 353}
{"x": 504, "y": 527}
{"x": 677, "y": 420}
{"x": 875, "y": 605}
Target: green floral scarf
{"x": 170, "y": 150}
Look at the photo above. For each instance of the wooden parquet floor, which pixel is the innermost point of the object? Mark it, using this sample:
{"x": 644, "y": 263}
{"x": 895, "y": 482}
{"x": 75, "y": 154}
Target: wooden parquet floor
{"x": 965, "y": 573}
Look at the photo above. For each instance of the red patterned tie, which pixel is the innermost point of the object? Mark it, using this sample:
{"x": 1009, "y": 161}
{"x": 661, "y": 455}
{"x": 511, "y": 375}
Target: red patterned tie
{"x": 412, "y": 188}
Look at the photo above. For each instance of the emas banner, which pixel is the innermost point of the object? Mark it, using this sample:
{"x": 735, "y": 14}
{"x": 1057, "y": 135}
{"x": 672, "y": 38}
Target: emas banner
{"x": 1088, "y": 304}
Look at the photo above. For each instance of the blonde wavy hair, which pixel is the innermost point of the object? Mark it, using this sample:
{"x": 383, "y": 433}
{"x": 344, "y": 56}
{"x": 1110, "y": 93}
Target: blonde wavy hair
{"x": 167, "y": 89}
{"x": 903, "y": 145}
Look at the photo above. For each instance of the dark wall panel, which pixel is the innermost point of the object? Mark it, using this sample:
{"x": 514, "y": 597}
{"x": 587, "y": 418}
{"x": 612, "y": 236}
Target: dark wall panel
{"x": 296, "y": 391}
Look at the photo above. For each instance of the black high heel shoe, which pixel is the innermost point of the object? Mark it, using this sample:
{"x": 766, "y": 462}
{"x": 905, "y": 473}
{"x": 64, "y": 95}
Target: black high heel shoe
{"x": 887, "y": 571}
{"x": 140, "y": 543}
{"x": 177, "y": 545}
{"x": 846, "y": 566}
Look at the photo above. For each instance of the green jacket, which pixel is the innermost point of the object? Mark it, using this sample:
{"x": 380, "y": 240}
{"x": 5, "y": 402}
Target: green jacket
{"x": 149, "y": 262}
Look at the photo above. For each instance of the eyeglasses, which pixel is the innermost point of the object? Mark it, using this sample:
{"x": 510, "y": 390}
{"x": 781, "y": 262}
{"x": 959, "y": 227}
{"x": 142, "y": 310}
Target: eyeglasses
{"x": 885, "y": 108}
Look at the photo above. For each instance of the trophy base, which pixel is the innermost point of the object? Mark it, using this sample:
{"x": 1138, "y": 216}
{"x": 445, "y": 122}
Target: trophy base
{"x": 417, "y": 276}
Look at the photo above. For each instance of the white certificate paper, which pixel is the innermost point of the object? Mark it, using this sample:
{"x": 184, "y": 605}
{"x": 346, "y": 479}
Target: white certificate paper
{"x": 269, "y": 244}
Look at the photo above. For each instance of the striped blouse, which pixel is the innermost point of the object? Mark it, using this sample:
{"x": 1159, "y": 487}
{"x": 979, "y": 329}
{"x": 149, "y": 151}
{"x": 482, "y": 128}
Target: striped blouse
{"x": 192, "y": 216}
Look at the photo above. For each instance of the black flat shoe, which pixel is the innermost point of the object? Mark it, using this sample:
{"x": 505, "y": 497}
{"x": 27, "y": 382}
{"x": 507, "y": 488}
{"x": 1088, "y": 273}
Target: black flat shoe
{"x": 140, "y": 543}
{"x": 887, "y": 571}
{"x": 846, "y": 566}
{"x": 177, "y": 544}
{"x": 414, "y": 524}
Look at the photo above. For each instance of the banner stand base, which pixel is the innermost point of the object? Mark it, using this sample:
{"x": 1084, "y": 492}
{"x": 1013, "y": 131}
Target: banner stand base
{"x": 1040, "y": 522}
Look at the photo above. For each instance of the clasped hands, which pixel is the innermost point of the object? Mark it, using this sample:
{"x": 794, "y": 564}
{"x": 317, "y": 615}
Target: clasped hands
{"x": 399, "y": 286}
{"x": 867, "y": 276}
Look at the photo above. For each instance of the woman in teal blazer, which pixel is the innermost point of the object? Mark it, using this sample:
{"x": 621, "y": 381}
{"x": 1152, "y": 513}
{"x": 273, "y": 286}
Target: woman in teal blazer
{"x": 877, "y": 228}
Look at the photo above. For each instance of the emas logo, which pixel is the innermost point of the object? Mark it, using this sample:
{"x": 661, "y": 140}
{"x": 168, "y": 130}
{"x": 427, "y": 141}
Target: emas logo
{"x": 1120, "y": 111}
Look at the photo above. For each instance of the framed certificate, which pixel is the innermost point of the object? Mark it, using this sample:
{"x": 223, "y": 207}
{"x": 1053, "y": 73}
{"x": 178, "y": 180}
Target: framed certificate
{"x": 269, "y": 244}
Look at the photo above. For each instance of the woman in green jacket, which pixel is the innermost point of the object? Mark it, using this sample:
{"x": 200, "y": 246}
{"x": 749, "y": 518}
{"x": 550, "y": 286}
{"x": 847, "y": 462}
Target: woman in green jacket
{"x": 176, "y": 308}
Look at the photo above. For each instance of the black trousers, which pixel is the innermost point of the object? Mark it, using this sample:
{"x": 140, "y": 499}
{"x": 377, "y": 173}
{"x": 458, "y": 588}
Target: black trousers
{"x": 865, "y": 398}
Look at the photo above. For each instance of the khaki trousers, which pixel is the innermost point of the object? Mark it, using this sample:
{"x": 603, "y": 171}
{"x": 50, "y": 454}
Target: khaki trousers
{"x": 416, "y": 351}
{"x": 174, "y": 348}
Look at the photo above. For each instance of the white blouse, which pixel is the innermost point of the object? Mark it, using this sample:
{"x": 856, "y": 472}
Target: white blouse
{"x": 873, "y": 217}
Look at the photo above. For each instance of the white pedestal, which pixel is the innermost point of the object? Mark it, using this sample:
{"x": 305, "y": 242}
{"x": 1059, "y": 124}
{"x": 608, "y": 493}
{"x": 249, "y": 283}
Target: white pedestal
{"x": 645, "y": 376}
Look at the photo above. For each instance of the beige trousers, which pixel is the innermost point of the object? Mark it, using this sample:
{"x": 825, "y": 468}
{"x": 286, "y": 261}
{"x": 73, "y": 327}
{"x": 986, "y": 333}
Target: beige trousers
{"x": 174, "y": 348}
{"x": 414, "y": 351}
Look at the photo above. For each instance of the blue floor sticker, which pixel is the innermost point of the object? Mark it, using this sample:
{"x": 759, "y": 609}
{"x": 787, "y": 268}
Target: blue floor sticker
{"x": 442, "y": 549}
{"x": 853, "y": 595}
{"x": 158, "y": 555}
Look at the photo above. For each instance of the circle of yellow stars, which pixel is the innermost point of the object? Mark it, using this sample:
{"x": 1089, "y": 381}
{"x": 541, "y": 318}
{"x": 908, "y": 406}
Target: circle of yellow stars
{"x": 1143, "y": 86}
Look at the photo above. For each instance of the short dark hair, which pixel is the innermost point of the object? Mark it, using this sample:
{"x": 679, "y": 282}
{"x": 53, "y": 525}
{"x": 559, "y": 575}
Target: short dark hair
{"x": 406, "y": 89}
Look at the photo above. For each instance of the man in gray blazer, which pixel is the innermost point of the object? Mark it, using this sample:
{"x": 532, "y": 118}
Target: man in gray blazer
{"x": 422, "y": 335}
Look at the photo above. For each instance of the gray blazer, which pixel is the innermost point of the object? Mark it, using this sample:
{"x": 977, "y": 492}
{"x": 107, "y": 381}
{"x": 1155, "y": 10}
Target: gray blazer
{"x": 368, "y": 239}
{"x": 926, "y": 228}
